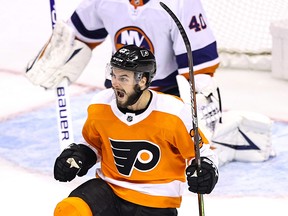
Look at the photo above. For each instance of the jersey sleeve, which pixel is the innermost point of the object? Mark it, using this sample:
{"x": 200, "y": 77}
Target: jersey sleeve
{"x": 87, "y": 23}
{"x": 96, "y": 108}
{"x": 202, "y": 41}
{"x": 91, "y": 136}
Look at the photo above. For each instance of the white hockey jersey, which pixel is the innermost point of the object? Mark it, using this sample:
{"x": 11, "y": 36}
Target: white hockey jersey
{"x": 150, "y": 26}
{"x": 143, "y": 156}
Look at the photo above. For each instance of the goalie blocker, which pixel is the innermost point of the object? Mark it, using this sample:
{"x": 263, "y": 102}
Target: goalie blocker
{"x": 62, "y": 57}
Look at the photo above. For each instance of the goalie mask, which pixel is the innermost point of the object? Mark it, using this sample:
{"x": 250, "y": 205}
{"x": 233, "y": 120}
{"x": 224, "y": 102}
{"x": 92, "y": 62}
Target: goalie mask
{"x": 139, "y": 60}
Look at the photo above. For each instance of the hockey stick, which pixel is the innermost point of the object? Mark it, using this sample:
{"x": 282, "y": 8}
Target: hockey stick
{"x": 193, "y": 100}
{"x": 63, "y": 108}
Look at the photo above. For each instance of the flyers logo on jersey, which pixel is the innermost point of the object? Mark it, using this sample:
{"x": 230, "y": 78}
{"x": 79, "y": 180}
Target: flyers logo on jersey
{"x": 132, "y": 35}
{"x": 129, "y": 155}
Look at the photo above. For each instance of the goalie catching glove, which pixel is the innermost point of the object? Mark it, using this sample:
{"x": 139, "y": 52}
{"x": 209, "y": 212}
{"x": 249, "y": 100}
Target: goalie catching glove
{"x": 77, "y": 159}
{"x": 62, "y": 57}
{"x": 204, "y": 181}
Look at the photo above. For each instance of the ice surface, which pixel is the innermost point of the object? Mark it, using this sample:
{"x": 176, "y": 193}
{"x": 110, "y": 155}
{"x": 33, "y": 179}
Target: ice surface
{"x": 29, "y": 140}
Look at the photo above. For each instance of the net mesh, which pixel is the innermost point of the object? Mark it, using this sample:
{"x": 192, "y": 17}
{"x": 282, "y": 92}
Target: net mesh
{"x": 242, "y": 29}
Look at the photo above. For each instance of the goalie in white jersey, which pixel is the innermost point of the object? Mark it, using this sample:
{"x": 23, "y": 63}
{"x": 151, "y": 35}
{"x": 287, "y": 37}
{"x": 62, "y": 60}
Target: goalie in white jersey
{"x": 143, "y": 23}
{"x": 146, "y": 24}
{"x": 143, "y": 140}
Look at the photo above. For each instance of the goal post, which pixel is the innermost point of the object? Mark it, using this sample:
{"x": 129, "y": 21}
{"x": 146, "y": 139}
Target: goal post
{"x": 279, "y": 64}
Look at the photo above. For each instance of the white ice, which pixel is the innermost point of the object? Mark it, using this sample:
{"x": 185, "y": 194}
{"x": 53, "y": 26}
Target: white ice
{"x": 25, "y": 27}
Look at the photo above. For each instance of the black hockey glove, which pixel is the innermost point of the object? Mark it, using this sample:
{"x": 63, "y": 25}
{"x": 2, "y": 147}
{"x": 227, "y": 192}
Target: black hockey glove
{"x": 77, "y": 159}
{"x": 206, "y": 180}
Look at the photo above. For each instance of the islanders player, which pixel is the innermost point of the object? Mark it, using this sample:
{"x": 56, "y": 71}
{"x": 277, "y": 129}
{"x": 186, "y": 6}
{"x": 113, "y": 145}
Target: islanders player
{"x": 142, "y": 139}
{"x": 143, "y": 23}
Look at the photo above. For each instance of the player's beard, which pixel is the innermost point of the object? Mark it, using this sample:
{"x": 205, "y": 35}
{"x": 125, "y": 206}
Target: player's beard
{"x": 131, "y": 99}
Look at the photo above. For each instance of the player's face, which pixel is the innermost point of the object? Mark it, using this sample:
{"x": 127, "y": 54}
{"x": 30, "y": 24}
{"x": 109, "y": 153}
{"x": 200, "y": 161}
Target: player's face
{"x": 125, "y": 87}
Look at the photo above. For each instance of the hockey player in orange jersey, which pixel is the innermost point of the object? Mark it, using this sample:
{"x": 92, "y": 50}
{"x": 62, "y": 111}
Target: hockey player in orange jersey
{"x": 142, "y": 139}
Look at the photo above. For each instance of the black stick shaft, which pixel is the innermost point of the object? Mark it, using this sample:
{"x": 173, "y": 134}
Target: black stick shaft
{"x": 193, "y": 99}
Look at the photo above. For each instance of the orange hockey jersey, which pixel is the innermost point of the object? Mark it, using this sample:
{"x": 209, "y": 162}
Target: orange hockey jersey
{"x": 143, "y": 156}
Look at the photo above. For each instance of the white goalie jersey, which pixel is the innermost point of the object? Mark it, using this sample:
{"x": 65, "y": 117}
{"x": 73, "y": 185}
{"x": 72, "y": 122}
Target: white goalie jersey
{"x": 126, "y": 24}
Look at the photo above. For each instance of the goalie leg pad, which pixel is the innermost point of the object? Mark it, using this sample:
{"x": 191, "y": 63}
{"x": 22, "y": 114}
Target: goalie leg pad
{"x": 243, "y": 136}
{"x": 72, "y": 206}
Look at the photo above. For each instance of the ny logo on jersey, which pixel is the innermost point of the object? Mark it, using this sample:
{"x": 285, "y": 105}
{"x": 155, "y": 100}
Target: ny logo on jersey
{"x": 129, "y": 155}
{"x": 132, "y": 35}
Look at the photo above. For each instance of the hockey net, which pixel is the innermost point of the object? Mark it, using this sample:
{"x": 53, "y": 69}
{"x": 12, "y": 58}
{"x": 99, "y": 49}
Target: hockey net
{"x": 242, "y": 30}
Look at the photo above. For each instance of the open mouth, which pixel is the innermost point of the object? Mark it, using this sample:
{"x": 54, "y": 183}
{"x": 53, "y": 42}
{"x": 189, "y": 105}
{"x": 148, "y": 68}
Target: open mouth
{"x": 120, "y": 94}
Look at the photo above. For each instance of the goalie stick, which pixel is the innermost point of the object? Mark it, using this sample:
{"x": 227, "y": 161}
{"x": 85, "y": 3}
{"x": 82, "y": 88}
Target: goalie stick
{"x": 193, "y": 99}
{"x": 63, "y": 108}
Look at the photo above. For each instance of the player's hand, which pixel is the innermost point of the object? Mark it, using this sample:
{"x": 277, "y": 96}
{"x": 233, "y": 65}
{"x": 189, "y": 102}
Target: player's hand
{"x": 77, "y": 159}
{"x": 205, "y": 181}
